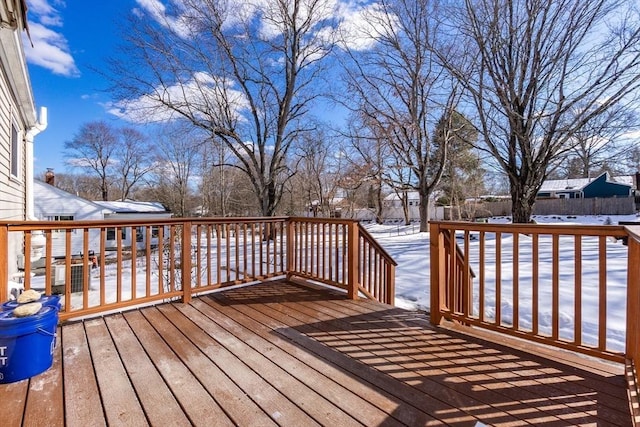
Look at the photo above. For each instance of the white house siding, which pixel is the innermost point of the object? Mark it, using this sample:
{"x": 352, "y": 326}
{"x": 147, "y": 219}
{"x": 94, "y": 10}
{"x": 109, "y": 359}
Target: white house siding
{"x": 16, "y": 106}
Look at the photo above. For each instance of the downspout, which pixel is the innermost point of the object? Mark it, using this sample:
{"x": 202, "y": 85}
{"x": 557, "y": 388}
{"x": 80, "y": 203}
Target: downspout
{"x": 31, "y": 133}
{"x": 38, "y": 240}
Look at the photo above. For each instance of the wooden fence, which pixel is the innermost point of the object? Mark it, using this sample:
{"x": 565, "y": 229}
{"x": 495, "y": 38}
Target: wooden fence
{"x": 589, "y": 206}
{"x": 178, "y": 258}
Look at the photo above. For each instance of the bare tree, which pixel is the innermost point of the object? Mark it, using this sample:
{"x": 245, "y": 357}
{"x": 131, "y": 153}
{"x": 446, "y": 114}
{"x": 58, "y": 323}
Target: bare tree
{"x": 401, "y": 92}
{"x": 132, "y": 160}
{"x": 317, "y": 172}
{"x": 538, "y": 72}
{"x": 600, "y": 142}
{"x": 93, "y": 148}
{"x": 177, "y": 159}
{"x": 365, "y": 146}
{"x": 246, "y": 73}
{"x": 86, "y": 186}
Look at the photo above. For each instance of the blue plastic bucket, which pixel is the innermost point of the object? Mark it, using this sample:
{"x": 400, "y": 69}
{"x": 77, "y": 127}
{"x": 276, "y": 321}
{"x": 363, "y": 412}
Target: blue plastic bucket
{"x": 26, "y": 344}
{"x": 45, "y": 300}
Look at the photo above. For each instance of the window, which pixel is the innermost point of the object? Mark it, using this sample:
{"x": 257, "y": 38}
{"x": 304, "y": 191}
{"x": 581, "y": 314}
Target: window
{"x": 61, "y": 218}
{"x": 111, "y": 233}
{"x": 15, "y": 150}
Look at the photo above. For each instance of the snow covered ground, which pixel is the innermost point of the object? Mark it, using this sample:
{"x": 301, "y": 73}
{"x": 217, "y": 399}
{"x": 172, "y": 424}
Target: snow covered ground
{"x": 410, "y": 249}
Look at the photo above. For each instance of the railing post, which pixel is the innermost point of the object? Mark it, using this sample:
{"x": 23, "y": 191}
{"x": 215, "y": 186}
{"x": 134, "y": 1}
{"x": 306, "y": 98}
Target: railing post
{"x": 353, "y": 260}
{"x": 290, "y": 247}
{"x": 185, "y": 262}
{"x": 437, "y": 259}
{"x": 4, "y": 264}
{"x": 391, "y": 283}
{"x": 633, "y": 297}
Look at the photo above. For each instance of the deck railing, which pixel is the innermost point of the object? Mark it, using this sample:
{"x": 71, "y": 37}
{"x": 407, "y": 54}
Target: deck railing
{"x": 101, "y": 266}
{"x": 573, "y": 287}
{"x": 342, "y": 254}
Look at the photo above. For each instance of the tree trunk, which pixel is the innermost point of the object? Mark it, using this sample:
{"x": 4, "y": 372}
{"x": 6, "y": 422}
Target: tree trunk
{"x": 379, "y": 205}
{"x": 424, "y": 212}
{"x": 405, "y": 209}
{"x": 522, "y": 201}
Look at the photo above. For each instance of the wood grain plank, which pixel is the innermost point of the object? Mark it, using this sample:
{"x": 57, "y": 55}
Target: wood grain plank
{"x": 155, "y": 397}
{"x": 239, "y": 407}
{"x": 305, "y": 397}
{"x": 265, "y": 326}
{"x": 13, "y": 397}
{"x": 199, "y": 406}
{"x": 351, "y": 404}
{"x": 271, "y": 400}
{"x": 83, "y": 406}
{"x": 45, "y": 402}
{"x": 536, "y": 378}
{"x": 119, "y": 399}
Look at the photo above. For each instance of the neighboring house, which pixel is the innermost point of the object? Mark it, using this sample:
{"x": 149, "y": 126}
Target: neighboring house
{"x": 133, "y": 210}
{"x": 602, "y": 186}
{"x": 18, "y": 125}
{"x": 392, "y": 207}
{"x": 55, "y": 204}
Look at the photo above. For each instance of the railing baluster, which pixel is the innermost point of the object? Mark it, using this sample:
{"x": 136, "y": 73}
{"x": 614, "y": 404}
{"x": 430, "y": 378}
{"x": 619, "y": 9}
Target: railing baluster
{"x": 515, "y": 265}
{"x": 555, "y": 280}
{"x": 481, "y": 280}
{"x": 498, "y": 303}
{"x": 577, "y": 290}
{"x": 535, "y": 258}
{"x": 602, "y": 288}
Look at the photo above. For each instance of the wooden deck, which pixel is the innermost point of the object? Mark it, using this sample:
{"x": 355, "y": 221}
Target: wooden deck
{"x": 281, "y": 353}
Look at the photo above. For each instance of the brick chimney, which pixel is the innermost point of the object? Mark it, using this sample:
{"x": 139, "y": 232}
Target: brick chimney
{"x": 50, "y": 177}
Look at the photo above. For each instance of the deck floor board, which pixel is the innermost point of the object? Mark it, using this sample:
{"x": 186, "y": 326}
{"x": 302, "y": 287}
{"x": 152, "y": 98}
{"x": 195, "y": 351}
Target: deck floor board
{"x": 283, "y": 353}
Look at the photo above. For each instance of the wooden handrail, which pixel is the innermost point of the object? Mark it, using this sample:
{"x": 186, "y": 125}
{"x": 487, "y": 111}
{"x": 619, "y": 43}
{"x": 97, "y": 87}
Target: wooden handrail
{"x": 376, "y": 276}
{"x": 500, "y": 278}
{"x": 158, "y": 259}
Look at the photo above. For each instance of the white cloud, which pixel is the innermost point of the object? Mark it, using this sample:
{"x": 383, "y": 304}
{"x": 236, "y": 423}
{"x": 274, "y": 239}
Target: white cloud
{"x": 158, "y": 11}
{"x": 202, "y": 92}
{"x": 50, "y": 48}
{"x": 50, "y": 51}
{"x": 355, "y": 20}
{"x": 358, "y": 28}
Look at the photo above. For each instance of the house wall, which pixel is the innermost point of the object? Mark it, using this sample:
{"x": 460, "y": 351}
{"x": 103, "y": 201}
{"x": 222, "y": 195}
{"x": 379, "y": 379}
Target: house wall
{"x": 601, "y": 188}
{"x": 137, "y": 234}
{"x": 12, "y": 188}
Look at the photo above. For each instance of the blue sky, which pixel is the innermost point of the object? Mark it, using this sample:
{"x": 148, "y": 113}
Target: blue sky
{"x": 70, "y": 40}
{"x": 73, "y": 40}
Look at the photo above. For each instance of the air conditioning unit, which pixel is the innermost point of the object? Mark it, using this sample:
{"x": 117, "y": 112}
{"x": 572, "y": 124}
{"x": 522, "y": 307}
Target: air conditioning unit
{"x": 77, "y": 280}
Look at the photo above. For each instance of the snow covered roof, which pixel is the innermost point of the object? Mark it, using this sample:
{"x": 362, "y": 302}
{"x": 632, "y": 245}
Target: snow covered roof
{"x": 411, "y": 195}
{"x": 565, "y": 184}
{"x": 130, "y": 206}
{"x": 53, "y": 199}
{"x": 577, "y": 184}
